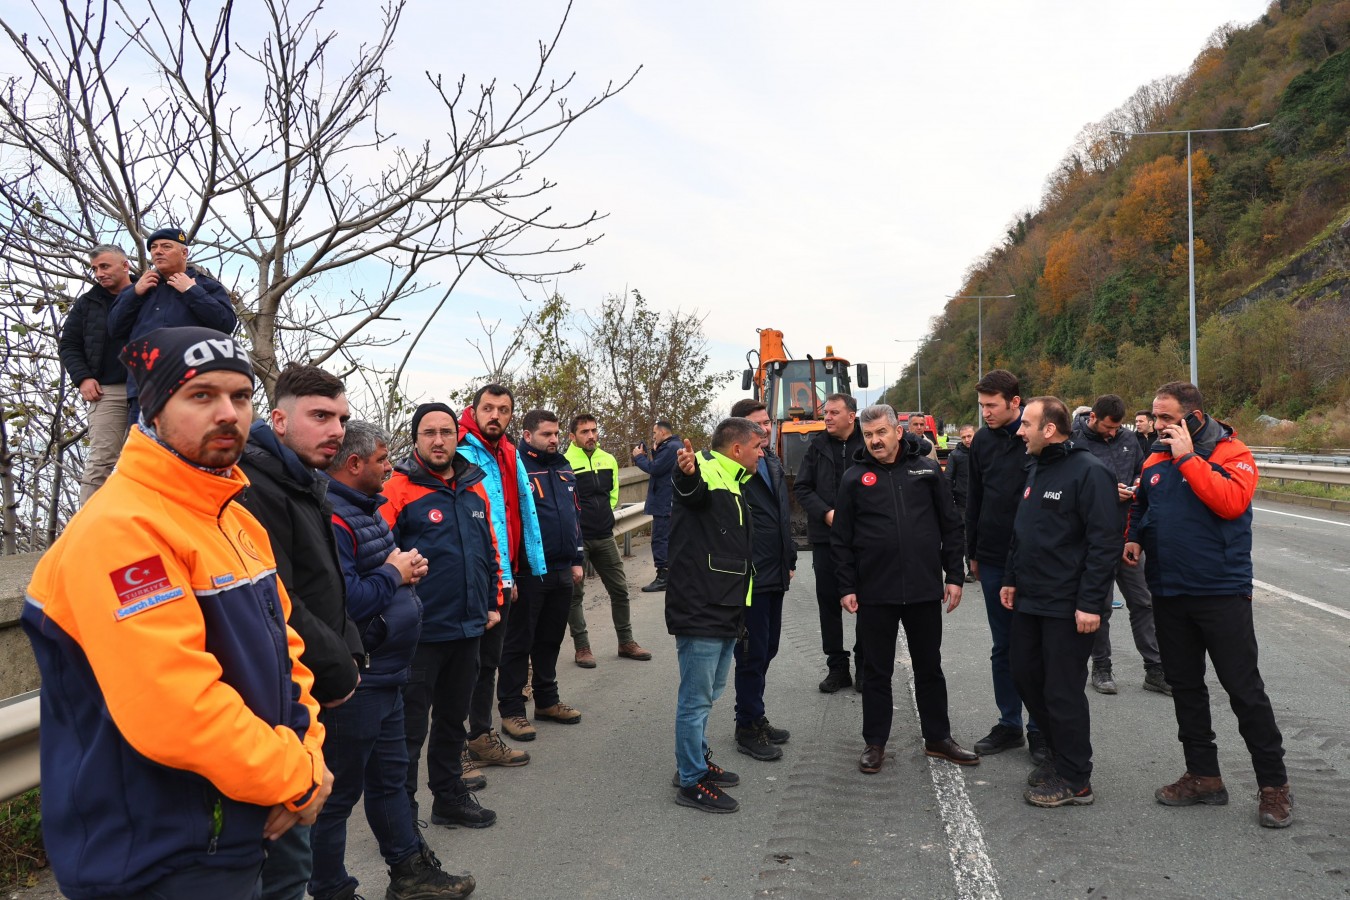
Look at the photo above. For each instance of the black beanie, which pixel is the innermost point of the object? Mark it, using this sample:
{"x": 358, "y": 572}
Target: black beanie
{"x": 429, "y": 408}
{"x": 167, "y": 358}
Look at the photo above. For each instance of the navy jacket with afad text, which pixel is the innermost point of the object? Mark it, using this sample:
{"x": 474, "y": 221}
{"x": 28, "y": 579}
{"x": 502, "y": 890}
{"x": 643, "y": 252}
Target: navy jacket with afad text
{"x": 554, "y": 486}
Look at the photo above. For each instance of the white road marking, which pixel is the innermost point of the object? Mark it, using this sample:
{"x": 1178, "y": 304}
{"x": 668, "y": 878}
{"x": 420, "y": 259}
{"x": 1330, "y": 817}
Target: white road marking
{"x": 1276, "y": 512}
{"x": 971, "y": 867}
{"x": 1290, "y": 595}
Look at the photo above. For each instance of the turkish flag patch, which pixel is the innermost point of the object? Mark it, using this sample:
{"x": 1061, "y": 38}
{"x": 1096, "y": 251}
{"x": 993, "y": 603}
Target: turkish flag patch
{"x": 140, "y": 579}
{"x": 869, "y": 478}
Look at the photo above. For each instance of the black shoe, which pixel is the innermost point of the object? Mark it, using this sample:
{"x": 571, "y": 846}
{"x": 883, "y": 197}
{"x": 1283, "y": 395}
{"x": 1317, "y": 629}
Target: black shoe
{"x": 1042, "y": 773}
{"x": 1002, "y": 737}
{"x": 837, "y": 679}
{"x": 706, "y": 796}
{"x": 754, "y": 742}
{"x": 971, "y": 579}
{"x": 463, "y": 810}
{"x": 658, "y": 584}
{"x": 776, "y": 735}
{"x": 419, "y": 877}
{"x": 716, "y": 774}
{"x": 1038, "y": 747}
{"x": 1058, "y": 792}
{"x": 1102, "y": 682}
{"x": 1156, "y": 682}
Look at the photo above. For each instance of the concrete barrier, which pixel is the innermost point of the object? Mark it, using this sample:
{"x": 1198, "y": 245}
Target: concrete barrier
{"x": 18, "y": 668}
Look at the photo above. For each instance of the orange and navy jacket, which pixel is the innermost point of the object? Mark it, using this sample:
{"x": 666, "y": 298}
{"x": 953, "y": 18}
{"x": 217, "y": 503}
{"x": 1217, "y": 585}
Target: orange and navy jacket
{"x": 1193, "y": 518}
{"x": 449, "y": 521}
{"x": 175, "y": 710}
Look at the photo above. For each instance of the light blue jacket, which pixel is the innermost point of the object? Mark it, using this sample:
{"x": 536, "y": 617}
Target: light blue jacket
{"x": 472, "y": 449}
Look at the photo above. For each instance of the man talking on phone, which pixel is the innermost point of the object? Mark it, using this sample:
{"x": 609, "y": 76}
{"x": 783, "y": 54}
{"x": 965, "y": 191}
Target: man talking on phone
{"x": 1192, "y": 516}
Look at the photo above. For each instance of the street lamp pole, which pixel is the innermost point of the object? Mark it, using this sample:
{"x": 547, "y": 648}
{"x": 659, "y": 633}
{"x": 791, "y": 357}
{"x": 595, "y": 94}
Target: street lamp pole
{"x": 1190, "y": 224}
{"x": 979, "y": 311}
{"x": 918, "y": 361}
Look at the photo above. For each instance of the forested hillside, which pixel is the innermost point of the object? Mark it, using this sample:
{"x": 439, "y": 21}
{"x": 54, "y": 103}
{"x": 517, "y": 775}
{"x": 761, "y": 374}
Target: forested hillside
{"x": 1099, "y": 269}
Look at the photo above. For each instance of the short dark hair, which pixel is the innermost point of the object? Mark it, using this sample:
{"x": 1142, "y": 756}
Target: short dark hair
{"x": 1108, "y": 406}
{"x": 1185, "y": 393}
{"x": 999, "y": 381}
{"x": 303, "y": 380}
{"x": 534, "y": 417}
{"x": 962, "y": 428}
{"x": 1145, "y": 412}
{"x": 742, "y": 408}
{"x": 496, "y": 390}
{"x": 734, "y": 430}
{"x": 662, "y": 423}
{"x": 578, "y": 420}
{"x": 850, "y": 402}
{"x": 1054, "y": 412}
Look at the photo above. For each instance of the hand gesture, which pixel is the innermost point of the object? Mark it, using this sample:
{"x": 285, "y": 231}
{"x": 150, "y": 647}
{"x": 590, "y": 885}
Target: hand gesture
{"x": 1132, "y": 553}
{"x": 685, "y": 458}
{"x": 1087, "y": 622}
{"x": 91, "y": 390}
{"x": 181, "y": 282}
{"x": 411, "y": 565}
{"x": 148, "y": 280}
{"x": 1178, "y": 438}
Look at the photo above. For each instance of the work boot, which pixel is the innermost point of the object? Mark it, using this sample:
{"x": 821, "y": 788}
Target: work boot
{"x": 1155, "y": 681}
{"x": 471, "y": 775}
{"x": 1058, "y": 792}
{"x": 1042, "y": 773}
{"x": 519, "y": 728}
{"x": 752, "y": 741}
{"x": 837, "y": 679}
{"x": 776, "y": 735}
{"x": 419, "y": 877}
{"x": 585, "y": 658}
{"x": 490, "y": 750}
{"x": 1189, "y": 790}
{"x": 1038, "y": 746}
{"x": 463, "y": 809}
{"x": 707, "y": 796}
{"x": 658, "y": 584}
{"x": 1276, "y": 808}
{"x": 632, "y": 650}
{"x": 558, "y": 712}
{"x": 999, "y": 738}
{"x": 1102, "y": 682}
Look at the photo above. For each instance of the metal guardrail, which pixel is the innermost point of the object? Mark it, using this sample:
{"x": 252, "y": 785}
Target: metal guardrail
{"x": 19, "y": 769}
{"x": 1299, "y": 472}
{"x": 1301, "y": 459}
{"x": 628, "y": 519}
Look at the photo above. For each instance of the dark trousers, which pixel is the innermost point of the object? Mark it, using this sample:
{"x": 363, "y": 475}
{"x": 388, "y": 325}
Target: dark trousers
{"x": 763, "y": 624}
{"x": 203, "y": 883}
{"x": 1000, "y": 630}
{"x": 288, "y": 865}
{"x": 831, "y": 614}
{"x": 1049, "y": 665}
{"x": 439, "y": 686}
{"x": 537, "y": 628}
{"x": 366, "y": 749}
{"x": 879, "y": 627}
{"x": 1132, "y": 586}
{"x": 660, "y": 540}
{"x": 485, "y": 685}
{"x": 1190, "y": 627}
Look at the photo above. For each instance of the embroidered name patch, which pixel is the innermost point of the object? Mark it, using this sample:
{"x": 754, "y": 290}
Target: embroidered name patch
{"x": 140, "y": 579}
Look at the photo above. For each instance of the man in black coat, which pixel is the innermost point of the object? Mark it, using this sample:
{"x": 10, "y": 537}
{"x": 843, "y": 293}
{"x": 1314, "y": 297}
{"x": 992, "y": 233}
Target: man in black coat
{"x": 289, "y": 497}
{"x": 828, "y": 455}
{"x": 958, "y": 476}
{"x": 775, "y": 557}
{"x": 1057, "y": 582}
{"x": 89, "y": 356}
{"x": 895, "y": 532}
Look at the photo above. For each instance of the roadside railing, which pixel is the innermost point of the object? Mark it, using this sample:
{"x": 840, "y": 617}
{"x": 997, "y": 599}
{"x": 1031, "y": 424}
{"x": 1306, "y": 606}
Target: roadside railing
{"x": 18, "y": 744}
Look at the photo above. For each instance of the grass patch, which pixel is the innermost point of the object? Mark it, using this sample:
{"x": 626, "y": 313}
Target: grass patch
{"x": 21, "y": 852}
{"x": 1305, "y": 489}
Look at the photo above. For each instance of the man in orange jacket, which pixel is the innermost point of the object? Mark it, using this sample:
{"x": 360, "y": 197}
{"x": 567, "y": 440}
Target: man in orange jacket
{"x": 178, "y": 731}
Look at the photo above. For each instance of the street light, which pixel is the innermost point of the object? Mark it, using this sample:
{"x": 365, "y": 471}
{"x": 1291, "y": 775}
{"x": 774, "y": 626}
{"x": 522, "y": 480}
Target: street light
{"x": 1190, "y": 220}
{"x": 979, "y": 308}
{"x": 918, "y": 360}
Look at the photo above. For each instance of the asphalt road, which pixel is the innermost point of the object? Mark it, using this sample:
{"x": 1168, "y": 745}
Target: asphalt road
{"x": 593, "y": 815}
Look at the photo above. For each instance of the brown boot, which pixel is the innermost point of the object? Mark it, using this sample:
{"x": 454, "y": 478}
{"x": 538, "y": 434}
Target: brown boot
{"x": 490, "y": 750}
{"x": 1277, "y": 807}
{"x": 1189, "y": 790}
{"x": 631, "y": 650}
{"x": 585, "y": 658}
{"x": 473, "y": 777}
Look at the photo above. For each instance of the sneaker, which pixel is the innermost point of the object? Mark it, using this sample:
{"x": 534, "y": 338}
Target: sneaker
{"x": 1038, "y": 746}
{"x": 1117, "y": 603}
{"x": 658, "y": 584}
{"x": 752, "y": 741}
{"x": 558, "y": 712}
{"x": 1102, "y": 682}
{"x": 1000, "y": 738}
{"x": 716, "y": 774}
{"x": 519, "y": 728}
{"x": 707, "y": 796}
{"x": 776, "y": 735}
{"x": 1276, "y": 808}
{"x": 490, "y": 750}
{"x": 970, "y": 578}
{"x": 1155, "y": 681}
{"x": 837, "y": 679}
{"x": 632, "y": 650}
{"x": 462, "y": 810}
{"x": 419, "y": 877}
{"x": 471, "y": 775}
{"x": 585, "y": 658}
{"x": 1189, "y": 790}
{"x": 1042, "y": 773}
{"x": 1058, "y": 792}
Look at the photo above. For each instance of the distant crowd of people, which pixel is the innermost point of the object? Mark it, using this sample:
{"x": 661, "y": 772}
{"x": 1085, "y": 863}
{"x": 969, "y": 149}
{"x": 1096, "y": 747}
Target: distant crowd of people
{"x": 251, "y": 626}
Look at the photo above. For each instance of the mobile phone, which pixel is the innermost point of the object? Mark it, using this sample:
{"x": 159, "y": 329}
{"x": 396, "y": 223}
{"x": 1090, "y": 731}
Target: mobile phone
{"x": 1193, "y": 423}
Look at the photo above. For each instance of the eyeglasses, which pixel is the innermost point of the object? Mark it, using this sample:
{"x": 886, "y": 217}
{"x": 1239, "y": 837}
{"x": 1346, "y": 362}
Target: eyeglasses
{"x": 444, "y": 434}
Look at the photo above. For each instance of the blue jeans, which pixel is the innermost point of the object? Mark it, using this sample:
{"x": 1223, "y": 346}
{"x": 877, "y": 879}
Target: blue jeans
{"x": 763, "y": 624}
{"x": 704, "y": 664}
{"x": 1000, "y": 629}
{"x": 288, "y": 865}
{"x": 366, "y": 749}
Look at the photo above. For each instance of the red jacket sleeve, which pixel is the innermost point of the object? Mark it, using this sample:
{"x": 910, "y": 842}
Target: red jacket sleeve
{"x": 1226, "y": 482}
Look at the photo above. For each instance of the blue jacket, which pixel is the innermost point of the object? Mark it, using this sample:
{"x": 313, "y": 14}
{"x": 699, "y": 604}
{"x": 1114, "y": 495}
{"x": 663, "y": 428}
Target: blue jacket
{"x": 387, "y": 613}
{"x": 554, "y": 487}
{"x": 659, "y": 464}
{"x": 449, "y": 521}
{"x": 472, "y": 449}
